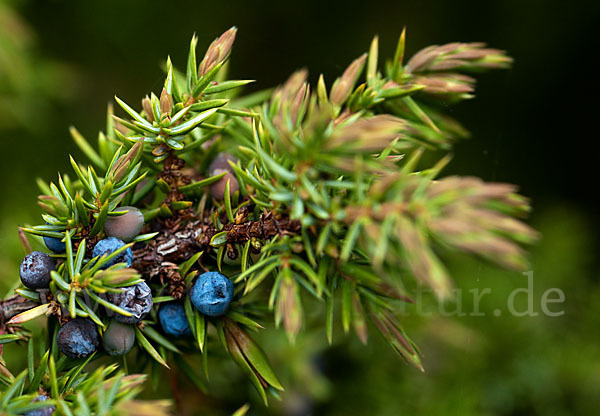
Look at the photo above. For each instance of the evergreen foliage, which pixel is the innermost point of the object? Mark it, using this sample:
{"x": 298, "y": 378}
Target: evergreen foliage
{"x": 324, "y": 192}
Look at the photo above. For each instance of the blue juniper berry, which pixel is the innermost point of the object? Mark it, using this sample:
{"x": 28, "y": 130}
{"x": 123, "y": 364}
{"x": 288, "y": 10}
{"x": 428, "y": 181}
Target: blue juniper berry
{"x": 55, "y": 245}
{"x": 211, "y": 293}
{"x": 136, "y": 299}
{"x": 173, "y": 319}
{"x": 118, "y": 338}
{"x": 78, "y": 338}
{"x": 44, "y": 411}
{"x": 110, "y": 245}
{"x": 35, "y": 270}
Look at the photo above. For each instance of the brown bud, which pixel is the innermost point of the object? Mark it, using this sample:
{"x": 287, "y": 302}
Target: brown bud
{"x": 122, "y": 164}
{"x": 459, "y": 85}
{"x": 166, "y": 102}
{"x": 147, "y": 106}
{"x": 368, "y": 134}
{"x": 217, "y": 51}
{"x": 160, "y": 150}
{"x": 298, "y": 101}
{"x": 342, "y": 88}
{"x": 293, "y": 84}
{"x": 457, "y": 56}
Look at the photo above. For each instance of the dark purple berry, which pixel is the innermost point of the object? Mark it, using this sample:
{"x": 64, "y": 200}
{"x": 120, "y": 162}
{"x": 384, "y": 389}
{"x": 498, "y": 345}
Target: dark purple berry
{"x": 35, "y": 270}
{"x": 212, "y": 293}
{"x": 136, "y": 299}
{"x": 125, "y": 227}
{"x": 78, "y": 338}
{"x": 173, "y": 319}
{"x": 118, "y": 338}
{"x": 110, "y": 245}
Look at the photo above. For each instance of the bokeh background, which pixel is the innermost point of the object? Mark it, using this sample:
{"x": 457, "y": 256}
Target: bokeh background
{"x": 62, "y": 62}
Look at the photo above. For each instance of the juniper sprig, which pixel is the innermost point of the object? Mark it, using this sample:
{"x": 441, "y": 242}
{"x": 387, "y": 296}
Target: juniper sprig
{"x": 301, "y": 192}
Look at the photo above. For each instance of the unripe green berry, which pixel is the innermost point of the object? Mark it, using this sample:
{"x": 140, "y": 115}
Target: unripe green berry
{"x": 125, "y": 227}
{"x": 118, "y": 338}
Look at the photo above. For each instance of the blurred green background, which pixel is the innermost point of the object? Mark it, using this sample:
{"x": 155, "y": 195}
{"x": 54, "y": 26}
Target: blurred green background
{"x": 62, "y": 62}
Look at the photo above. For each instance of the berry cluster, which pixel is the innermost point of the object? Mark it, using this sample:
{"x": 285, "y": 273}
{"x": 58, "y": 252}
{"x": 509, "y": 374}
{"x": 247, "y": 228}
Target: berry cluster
{"x": 211, "y": 293}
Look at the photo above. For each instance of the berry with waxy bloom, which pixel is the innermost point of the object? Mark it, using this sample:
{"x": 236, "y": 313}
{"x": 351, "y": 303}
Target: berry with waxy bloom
{"x": 35, "y": 270}
{"x": 136, "y": 299}
{"x": 55, "y": 245}
{"x": 173, "y": 319}
{"x": 44, "y": 411}
{"x": 78, "y": 338}
{"x": 110, "y": 245}
{"x": 212, "y": 293}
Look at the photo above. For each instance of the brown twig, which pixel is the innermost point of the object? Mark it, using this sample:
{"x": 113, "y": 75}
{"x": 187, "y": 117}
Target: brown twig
{"x": 179, "y": 242}
{"x": 13, "y": 306}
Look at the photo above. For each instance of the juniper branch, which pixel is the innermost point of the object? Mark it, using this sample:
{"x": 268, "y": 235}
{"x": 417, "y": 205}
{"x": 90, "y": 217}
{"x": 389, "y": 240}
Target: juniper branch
{"x": 320, "y": 192}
